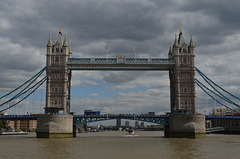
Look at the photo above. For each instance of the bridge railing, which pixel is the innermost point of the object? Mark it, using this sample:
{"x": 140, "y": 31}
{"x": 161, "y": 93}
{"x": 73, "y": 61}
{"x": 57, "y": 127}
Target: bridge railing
{"x": 158, "y": 119}
{"x": 153, "y": 61}
{"x": 18, "y": 117}
{"x": 225, "y": 117}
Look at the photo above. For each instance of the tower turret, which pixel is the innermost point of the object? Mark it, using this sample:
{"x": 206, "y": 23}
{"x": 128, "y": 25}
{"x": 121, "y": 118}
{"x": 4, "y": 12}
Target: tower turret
{"x": 58, "y": 76}
{"x": 170, "y": 50}
{"x": 49, "y": 44}
{"x": 182, "y": 77}
{"x": 49, "y": 50}
{"x": 65, "y": 43}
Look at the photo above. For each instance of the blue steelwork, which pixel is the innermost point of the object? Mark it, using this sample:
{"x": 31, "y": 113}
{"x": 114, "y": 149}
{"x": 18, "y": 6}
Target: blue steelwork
{"x": 120, "y": 63}
{"x": 231, "y": 117}
{"x": 202, "y": 85}
{"x": 220, "y": 95}
{"x": 81, "y": 119}
{"x": 18, "y": 117}
{"x": 35, "y": 76}
{"x": 157, "y": 119}
{"x": 27, "y": 93}
{"x": 202, "y": 74}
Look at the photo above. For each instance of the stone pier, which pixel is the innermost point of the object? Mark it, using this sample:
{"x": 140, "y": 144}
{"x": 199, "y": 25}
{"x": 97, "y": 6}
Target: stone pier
{"x": 54, "y": 125}
{"x": 186, "y": 126}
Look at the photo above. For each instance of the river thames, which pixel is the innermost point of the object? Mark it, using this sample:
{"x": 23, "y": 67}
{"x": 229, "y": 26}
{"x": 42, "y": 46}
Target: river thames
{"x": 117, "y": 145}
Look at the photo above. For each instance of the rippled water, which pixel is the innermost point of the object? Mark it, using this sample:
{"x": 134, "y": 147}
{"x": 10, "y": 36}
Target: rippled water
{"x": 116, "y": 145}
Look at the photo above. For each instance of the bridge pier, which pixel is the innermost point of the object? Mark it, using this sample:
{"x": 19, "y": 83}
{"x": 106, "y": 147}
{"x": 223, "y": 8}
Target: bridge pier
{"x": 186, "y": 126}
{"x": 54, "y": 125}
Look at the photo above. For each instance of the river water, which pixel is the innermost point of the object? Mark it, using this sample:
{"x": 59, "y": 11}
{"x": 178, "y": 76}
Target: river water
{"x": 117, "y": 145}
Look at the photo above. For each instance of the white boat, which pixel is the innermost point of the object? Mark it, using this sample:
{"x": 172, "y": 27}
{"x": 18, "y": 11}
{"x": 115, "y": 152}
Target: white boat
{"x": 14, "y": 133}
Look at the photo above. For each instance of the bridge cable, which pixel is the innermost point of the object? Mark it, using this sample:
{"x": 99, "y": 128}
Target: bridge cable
{"x": 230, "y": 101}
{"x": 40, "y": 72}
{"x": 44, "y": 79}
{"x": 215, "y": 98}
{"x": 37, "y": 84}
{"x": 226, "y": 99}
{"x": 22, "y": 91}
{"x": 202, "y": 74}
{"x": 205, "y": 78}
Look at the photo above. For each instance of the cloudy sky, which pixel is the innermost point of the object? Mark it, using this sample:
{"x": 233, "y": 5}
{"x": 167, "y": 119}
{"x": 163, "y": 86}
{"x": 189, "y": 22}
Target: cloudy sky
{"x": 93, "y": 25}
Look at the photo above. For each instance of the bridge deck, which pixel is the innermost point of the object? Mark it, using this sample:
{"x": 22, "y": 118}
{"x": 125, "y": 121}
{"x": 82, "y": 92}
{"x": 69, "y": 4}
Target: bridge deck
{"x": 140, "y": 64}
{"x": 94, "y": 118}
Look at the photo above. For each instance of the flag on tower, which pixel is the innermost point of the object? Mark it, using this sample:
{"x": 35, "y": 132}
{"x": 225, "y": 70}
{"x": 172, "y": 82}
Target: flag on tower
{"x": 133, "y": 49}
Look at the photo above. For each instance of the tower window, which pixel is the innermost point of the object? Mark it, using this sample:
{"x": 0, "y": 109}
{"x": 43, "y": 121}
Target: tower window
{"x": 59, "y": 101}
{"x": 57, "y": 59}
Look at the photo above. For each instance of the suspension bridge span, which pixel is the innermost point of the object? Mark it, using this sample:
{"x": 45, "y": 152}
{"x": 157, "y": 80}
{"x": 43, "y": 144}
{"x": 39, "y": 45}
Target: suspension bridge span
{"x": 183, "y": 121}
{"x": 82, "y": 119}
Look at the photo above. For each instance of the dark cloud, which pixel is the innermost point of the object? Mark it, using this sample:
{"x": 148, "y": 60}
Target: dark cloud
{"x": 149, "y": 25}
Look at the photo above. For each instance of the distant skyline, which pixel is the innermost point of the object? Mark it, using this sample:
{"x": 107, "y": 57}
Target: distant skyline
{"x": 92, "y": 25}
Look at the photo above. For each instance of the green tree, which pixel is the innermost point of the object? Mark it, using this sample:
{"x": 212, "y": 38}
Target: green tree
{"x": 3, "y": 124}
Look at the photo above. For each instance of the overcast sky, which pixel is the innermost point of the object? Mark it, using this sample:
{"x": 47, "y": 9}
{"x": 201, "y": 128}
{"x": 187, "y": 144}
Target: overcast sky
{"x": 93, "y": 25}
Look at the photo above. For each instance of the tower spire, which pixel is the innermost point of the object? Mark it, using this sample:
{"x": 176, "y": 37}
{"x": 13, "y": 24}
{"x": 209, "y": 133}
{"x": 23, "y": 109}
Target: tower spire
{"x": 181, "y": 40}
{"x": 60, "y": 30}
{"x": 191, "y": 41}
{"x": 49, "y": 40}
{"x": 170, "y": 48}
{"x": 65, "y": 43}
{"x": 175, "y": 42}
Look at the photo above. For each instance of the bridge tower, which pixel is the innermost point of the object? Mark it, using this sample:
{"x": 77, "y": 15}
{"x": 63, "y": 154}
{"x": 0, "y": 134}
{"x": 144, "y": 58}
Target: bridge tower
{"x": 184, "y": 120}
{"x": 57, "y": 121}
{"x": 182, "y": 77}
{"x": 58, "y": 76}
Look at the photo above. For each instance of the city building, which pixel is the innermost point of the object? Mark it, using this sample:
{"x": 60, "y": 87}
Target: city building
{"x": 126, "y": 123}
{"x": 118, "y": 122}
{"x": 23, "y": 125}
{"x": 221, "y": 111}
{"x": 136, "y": 124}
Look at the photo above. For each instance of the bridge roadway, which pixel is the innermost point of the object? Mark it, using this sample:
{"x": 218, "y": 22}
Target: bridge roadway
{"x": 121, "y": 64}
{"x": 81, "y": 119}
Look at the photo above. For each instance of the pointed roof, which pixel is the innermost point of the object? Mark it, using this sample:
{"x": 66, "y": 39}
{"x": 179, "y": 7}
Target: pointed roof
{"x": 181, "y": 40}
{"x": 191, "y": 41}
{"x": 60, "y": 30}
{"x": 49, "y": 40}
{"x": 170, "y": 48}
{"x": 70, "y": 49}
{"x": 65, "y": 43}
{"x": 59, "y": 39}
{"x": 175, "y": 42}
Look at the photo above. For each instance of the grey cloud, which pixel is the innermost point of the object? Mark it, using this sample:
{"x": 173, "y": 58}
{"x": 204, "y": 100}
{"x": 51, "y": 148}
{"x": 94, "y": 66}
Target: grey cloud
{"x": 91, "y": 25}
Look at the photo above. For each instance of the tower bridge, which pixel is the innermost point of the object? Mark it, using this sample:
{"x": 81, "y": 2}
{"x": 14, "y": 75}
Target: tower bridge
{"x": 183, "y": 121}
{"x": 180, "y": 63}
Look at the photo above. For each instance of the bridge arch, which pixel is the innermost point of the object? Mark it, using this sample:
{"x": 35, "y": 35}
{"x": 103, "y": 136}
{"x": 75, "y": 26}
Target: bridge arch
{"x": 156, "y": 119}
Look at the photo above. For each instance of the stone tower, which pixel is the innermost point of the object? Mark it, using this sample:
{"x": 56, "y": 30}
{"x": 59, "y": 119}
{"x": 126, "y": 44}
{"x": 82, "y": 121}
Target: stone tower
{"x": 183, "y": 121}
{"x": 182, "y": 77}
{"x": 58, "y": 76}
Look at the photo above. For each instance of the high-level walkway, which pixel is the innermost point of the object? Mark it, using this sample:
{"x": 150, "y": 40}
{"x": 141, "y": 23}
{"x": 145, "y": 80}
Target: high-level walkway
{"x": 120, "y": 63}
